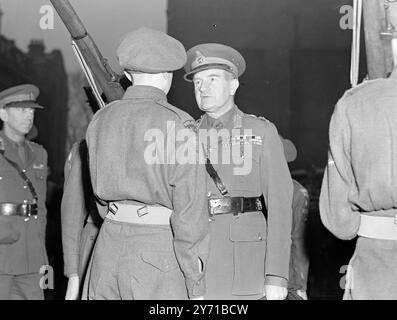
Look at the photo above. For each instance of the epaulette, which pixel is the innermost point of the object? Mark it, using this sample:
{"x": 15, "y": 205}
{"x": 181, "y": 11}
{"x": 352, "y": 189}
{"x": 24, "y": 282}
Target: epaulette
{"x": 1, "y": 144}
{"x": 257, "y": 117}
{"x": 110, "y": 103}
{"x": 181, "y": 114}
{"x": 358, "y": 87}
{"x": 32, "y": 144}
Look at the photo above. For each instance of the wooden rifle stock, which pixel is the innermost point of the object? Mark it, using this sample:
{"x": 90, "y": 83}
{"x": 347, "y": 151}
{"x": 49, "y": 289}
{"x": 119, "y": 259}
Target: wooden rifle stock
{"x": 105, "y": 77}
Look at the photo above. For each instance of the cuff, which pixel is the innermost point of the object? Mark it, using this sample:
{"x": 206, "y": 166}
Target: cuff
{"x": 276, "y": 281}
{"x": 71, "y": 265}
{"x": 195, "y": 288}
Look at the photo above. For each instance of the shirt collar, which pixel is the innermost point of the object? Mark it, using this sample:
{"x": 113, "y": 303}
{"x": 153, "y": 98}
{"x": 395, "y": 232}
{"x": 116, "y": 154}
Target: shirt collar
{"x": 144, "y": 92}
{"x": 229, "y": 120}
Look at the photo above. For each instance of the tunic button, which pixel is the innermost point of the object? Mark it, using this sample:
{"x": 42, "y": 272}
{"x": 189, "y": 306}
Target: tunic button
{"x": 24, "y": 187}
{"x": 1, "y": 178}
{"x": 23, "y": 170}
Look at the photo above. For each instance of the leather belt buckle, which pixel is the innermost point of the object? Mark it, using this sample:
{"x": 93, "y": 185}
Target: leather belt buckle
{"x": 213, "y": 205}
{"x": 236, "y": 205}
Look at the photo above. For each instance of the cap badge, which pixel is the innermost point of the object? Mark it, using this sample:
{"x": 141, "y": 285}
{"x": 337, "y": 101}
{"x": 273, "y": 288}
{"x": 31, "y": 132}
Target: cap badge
{"x": 200, "y": 58}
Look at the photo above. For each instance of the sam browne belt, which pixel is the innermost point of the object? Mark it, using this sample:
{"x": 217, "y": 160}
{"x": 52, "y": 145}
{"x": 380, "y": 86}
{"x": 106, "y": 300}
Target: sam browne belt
{"x": 234, "y": 205}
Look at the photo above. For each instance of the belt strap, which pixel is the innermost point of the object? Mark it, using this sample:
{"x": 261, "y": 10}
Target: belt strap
{"x": 14, "y": 209}
{"x": 378, "y": 227}
{"x": 142, "y": 214}
{"x": 234, "y": 205}
{"x": 215, "y": 177}
{"x": 22, "y": 175}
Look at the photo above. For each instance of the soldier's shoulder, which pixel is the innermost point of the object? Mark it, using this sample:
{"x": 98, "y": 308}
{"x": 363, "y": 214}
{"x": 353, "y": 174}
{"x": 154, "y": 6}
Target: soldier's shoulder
{"x": 37, "y": 149}
{"x": 258, "y": 122}
{"x": 35, "y": 146}
{"x": 364, "y": 88}
{"x": 176, "y": 113}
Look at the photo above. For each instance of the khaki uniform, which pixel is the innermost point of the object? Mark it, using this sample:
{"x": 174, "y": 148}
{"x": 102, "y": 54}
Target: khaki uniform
{"x": 248, "y": 250}
{"x": 79, "y": 213}
{"x": 360, "y": 182}
{"x": 22, "y": 248}
{"x": 143, "y": 261}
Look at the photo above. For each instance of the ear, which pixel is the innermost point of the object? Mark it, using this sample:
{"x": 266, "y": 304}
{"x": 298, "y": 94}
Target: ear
{"x": 234, "y": 84}
{"x": 3, "y": 114}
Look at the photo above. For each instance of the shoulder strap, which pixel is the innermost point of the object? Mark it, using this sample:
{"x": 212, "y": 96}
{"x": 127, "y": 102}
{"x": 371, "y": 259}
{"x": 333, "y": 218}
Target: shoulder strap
{"x": 22, "y": 175}
{"x": 215, "y": 177}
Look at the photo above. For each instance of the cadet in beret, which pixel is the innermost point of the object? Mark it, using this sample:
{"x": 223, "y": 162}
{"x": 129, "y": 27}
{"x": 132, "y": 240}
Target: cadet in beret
{"x": 154, "y": 241}
{"x": 23, "y": 176}
{"x": 249, "y": 255}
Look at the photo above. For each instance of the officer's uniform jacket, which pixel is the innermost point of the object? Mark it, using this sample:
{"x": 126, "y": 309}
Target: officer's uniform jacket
{"x": 77, "y": 208}
{"x": 259, "y": 249}
{"x": 22, "y": 248}
{"x": 121, "y": 139}
{"x": 299, "y": 263}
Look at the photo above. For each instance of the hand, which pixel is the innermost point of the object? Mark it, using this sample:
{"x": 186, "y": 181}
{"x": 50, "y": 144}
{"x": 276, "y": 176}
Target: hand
{"x": 302, "y": 294}
{"x": 275, "y": 292}
{"x": 72, "y": 292}
{"x": 197, "y": 298}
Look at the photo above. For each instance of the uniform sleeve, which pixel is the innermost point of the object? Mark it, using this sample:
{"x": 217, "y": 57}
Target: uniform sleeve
{"x": 72, "y": 211}
{"x": 335, "y": 210}
{"x": 190, "y": 222}
{"x": 277, "y": 190}
{"x": 299, "y": 264}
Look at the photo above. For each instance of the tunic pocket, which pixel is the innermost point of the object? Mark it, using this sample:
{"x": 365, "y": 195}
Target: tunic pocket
{"x": 162, "y": 261}
{"x": 248, "y": 234}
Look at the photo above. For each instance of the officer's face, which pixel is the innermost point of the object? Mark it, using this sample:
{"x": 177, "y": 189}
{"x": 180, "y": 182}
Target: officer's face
{"x": 20, "y": 120}
{"x": 214, "y": 89}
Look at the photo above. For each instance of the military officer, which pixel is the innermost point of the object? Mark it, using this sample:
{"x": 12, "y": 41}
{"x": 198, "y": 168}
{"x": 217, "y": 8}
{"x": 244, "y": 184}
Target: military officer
{"x": 79, "y": 217}
{"x": 358, "y": 194}
{"x": 23, "y": 174}
{"x": 249, "y": 254}
{"x": 154, "y": 241}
